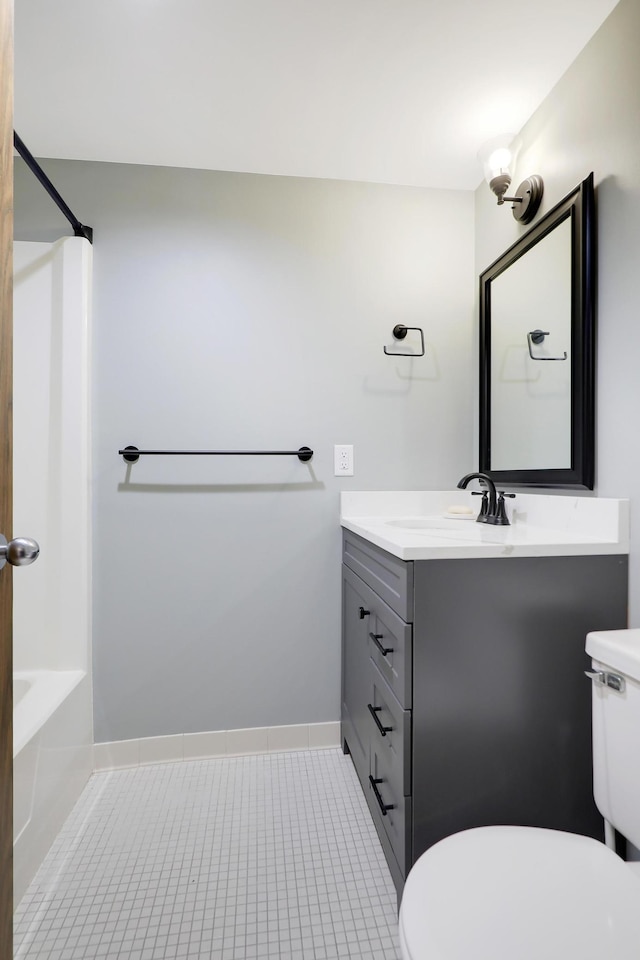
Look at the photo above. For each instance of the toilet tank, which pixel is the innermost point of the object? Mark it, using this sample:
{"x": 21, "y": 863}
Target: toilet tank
{"x": 616, "y": 728}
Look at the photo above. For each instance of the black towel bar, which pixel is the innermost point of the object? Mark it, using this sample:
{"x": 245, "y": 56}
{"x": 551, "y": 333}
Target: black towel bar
{"x": 132, "y": 454}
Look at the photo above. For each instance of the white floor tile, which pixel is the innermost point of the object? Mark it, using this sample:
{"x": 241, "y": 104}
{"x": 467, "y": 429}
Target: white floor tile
{"x": 238, "y": 858}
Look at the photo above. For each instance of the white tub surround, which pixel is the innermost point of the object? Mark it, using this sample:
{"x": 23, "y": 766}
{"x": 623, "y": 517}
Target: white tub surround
{"x": 420, "y": 525}
{"x": 51, "y": 461}
{"x": 53, "y": 729}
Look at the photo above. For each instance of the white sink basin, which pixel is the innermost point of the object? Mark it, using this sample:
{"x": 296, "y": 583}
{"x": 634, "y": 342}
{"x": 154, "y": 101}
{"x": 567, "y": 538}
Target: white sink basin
{"x": 429, "y": 523}
{"x": 444, "y": 528}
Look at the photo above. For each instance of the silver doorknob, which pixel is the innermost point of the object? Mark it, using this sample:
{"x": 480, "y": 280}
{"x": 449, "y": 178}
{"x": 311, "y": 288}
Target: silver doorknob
{"x": 18, "y": 552}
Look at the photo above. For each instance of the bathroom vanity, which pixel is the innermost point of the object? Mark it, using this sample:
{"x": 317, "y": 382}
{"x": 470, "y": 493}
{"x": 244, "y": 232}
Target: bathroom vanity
{"x": 464, "y": 700}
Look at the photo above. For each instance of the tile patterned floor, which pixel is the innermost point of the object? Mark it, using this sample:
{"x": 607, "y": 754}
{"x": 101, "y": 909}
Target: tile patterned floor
{"x": 231, "y": 859}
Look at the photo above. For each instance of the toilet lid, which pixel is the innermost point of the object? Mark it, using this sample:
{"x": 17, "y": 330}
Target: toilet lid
{"x": 501, "y": 893}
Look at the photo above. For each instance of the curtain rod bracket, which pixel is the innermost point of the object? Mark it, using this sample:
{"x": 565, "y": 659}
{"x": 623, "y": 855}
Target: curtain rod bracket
{"x": 83, "y": 231}
{"x": 79, "y": 229}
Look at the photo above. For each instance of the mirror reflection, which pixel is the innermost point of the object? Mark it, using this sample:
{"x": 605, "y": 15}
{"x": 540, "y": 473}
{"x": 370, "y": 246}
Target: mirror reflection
{"x": 531, "y": 358}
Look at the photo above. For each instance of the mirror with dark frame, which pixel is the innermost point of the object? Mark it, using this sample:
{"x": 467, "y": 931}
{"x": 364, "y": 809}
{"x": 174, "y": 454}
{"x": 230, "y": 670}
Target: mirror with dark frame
{"x": 537, "y": 316}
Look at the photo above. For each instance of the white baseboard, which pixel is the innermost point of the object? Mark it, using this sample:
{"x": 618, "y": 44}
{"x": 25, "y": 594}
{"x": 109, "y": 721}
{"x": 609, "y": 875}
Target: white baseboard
{"x": 216, "y": 743}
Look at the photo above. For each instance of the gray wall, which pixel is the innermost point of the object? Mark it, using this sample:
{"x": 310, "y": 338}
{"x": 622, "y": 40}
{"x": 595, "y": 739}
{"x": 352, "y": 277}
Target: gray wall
{"x": 591, "y": 122}
{"x": 240, "y": 311}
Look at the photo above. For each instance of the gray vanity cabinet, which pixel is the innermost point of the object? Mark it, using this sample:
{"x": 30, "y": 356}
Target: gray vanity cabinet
{"x": 377, "y": 689}
{"x": 464, "y": 701}
{"x": 357, "y": 619}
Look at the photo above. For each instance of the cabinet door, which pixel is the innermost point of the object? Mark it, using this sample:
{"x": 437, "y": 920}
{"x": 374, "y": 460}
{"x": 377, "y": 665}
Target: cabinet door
{"x": 389, "y": 577}
{"x": 501, "y": 711}
{"x": 393, "y": 808}
{"x": 390, "y": 650}
{"x": 357, "y": 613}
{"x": 390, "y": 765}
{"x": 390, "y": 732}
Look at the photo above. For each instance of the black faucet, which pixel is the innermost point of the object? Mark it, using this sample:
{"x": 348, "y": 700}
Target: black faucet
{"x": 495, "y": 512}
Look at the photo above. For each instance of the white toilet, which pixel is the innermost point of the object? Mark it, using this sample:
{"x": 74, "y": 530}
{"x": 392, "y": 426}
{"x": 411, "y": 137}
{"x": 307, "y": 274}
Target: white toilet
{"x": 524, "y": 893}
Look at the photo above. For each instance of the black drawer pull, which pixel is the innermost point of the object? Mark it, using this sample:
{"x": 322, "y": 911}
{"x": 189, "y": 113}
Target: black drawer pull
{"x": 364, "y": 613}
{"x": 383, "y": 806}
{"x": 377, "y": 637}
{"x": 374, "y": 713}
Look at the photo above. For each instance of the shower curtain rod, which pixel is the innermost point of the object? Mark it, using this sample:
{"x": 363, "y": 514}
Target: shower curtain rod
{"x": 79, "y": 229}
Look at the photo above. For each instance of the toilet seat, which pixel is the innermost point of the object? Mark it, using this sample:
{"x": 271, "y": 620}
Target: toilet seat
{"x": 520, "y": 893}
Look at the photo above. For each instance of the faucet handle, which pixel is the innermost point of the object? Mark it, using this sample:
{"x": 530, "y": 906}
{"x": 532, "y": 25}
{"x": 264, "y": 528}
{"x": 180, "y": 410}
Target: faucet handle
{"x": 484, "y": 506}
{"x": 501, "y": 513}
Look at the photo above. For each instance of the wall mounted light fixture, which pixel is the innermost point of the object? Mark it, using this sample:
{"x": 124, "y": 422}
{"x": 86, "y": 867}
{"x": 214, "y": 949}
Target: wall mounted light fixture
{"x": 496, "y": 158}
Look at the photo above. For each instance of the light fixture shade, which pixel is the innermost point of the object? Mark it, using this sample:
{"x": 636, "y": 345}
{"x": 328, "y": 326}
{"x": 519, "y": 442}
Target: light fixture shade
{"x": 495, "y": 156}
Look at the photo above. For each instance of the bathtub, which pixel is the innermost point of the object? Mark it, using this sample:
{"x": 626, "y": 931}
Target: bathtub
{"x": 52, "y": 761}
{"x": 37, "y": 694}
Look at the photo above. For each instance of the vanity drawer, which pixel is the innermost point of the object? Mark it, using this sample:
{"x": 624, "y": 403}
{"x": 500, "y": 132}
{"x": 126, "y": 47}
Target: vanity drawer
{"x": 390, "y": 640}
{"x": 389, "y": 577}
{"x": 392, "y": 810}
{"x": 390, "y": 733}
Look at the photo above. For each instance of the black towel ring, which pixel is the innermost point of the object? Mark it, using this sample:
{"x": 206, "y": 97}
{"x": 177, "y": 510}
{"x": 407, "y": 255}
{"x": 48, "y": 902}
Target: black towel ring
{"x": 399, "y": 333}
{"x": 537, "y": 336}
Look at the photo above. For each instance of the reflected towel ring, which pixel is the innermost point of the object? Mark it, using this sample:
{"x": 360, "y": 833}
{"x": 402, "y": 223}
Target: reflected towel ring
{"x": 399, "y": 333}
{"x": 537, "y": 336}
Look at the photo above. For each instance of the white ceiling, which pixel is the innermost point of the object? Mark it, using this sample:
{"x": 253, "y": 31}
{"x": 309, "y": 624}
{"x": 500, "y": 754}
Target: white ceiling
{"x": 393, "y": 91}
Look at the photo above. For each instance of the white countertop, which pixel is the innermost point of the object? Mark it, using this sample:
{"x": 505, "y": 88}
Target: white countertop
{"x": 418, "y": 525}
